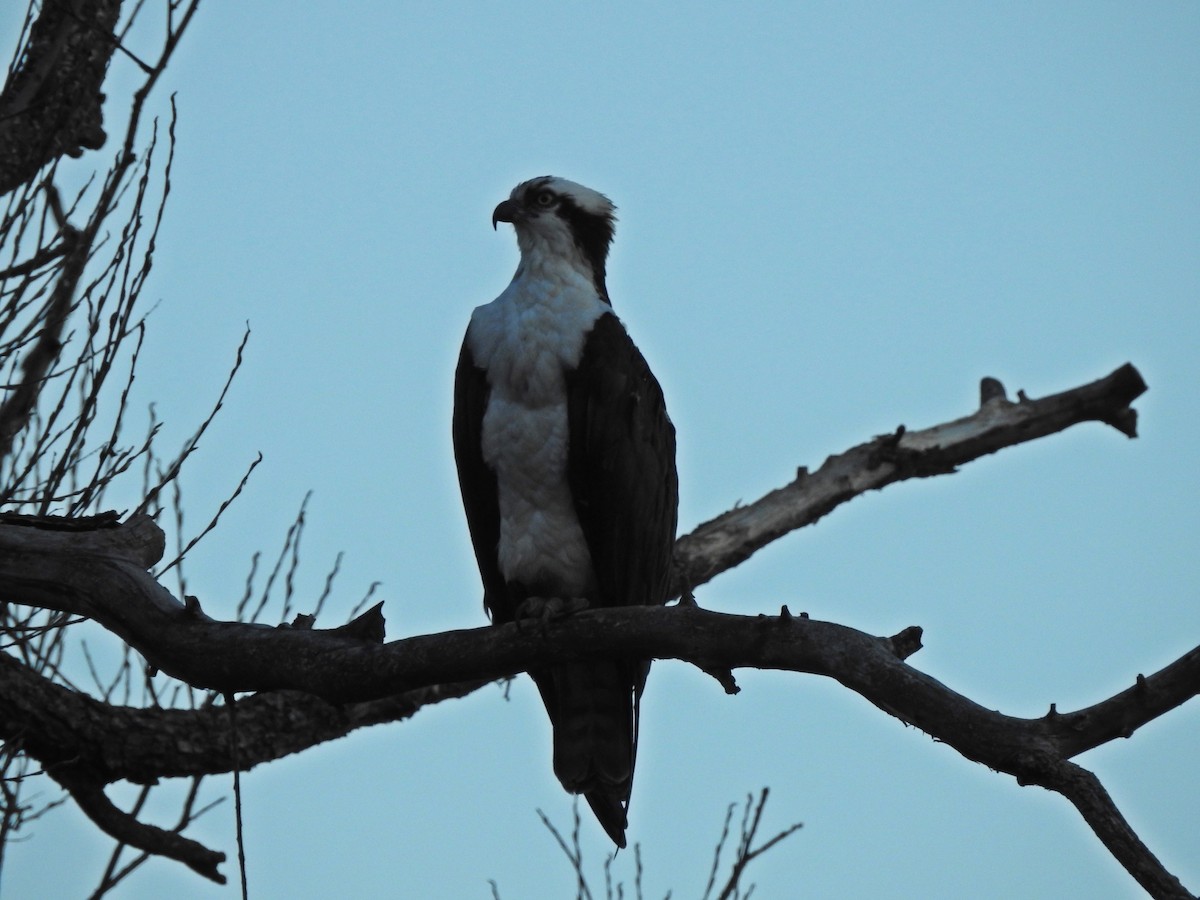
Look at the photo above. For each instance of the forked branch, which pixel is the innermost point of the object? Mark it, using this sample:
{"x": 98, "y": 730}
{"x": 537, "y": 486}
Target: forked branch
{"x": 101, "y": 573}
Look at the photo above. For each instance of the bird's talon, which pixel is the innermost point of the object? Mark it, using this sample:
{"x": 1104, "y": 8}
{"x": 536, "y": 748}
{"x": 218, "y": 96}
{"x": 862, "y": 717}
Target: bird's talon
{"x": 547, "y": 609}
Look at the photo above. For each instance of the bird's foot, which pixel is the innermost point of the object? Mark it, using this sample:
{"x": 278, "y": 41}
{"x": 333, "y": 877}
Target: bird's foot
{"x": 543, "y": 610}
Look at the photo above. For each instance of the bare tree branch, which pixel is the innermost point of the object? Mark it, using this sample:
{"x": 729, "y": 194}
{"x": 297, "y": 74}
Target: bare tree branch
{"x": 101, "y": 573}
{"x": 1088, "y": 795}
{"x": 745, "y": 852}
{"x": 1121, "y": 715}
{"x": 112, "y": 875}
{"x": 732, "y": 537}
{"x": 91, "y": 798}
{"x": 80, "y": 246}
{"x": 56, "y": 725}
{"x": 19, "y": 404}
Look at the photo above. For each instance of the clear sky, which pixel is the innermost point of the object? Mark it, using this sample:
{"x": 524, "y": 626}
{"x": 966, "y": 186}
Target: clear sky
{"x": 834, "y": 219}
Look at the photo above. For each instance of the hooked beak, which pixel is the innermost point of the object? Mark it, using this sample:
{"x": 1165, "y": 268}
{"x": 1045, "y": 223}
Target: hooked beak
{"x": 506, "y": 211}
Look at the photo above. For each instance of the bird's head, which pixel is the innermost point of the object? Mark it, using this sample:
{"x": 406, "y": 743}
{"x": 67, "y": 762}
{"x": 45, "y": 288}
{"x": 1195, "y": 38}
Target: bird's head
{"x": 559, "y": 220}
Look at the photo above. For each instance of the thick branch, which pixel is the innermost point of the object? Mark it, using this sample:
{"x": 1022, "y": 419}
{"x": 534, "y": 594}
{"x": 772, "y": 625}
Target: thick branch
{"x": 101, "y": 574}
{"x": 346, "y": 670}
{"x": 64, "y": 728}
{"x": 52, "y": 103}
{"x": 1032, "y": 750}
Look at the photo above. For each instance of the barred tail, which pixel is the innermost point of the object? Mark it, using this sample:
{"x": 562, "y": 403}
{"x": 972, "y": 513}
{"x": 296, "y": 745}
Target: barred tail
{"x": 593, "y": 710}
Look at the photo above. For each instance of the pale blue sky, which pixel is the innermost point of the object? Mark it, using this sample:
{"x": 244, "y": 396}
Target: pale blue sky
{"x": 834, "y": 218}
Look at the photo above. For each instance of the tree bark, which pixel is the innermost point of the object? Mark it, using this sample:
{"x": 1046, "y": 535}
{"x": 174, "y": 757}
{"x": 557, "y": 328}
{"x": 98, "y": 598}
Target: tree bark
{"x": 52, "y": 104}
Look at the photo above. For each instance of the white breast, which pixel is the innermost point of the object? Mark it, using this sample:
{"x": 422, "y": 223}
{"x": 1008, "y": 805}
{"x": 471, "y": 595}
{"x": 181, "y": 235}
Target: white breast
{"x": 525, "y": 340}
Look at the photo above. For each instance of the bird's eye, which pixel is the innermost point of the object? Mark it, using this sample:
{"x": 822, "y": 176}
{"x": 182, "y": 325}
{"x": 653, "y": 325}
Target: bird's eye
{"x": 543, "y": 199}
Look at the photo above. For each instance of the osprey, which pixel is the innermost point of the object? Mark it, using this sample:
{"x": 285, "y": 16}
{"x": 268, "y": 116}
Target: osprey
{"x": 566, "y": 461}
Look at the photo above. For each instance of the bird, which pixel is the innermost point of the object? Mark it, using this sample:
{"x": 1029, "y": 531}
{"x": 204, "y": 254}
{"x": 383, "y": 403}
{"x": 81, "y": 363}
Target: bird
{"x": 566, "y": 463}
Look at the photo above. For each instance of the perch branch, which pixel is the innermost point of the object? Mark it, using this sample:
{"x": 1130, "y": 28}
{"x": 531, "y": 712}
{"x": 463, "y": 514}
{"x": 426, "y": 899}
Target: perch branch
{"x": 102, "y": 574}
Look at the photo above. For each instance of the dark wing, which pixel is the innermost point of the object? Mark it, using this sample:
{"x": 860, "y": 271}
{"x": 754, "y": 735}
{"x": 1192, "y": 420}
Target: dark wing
{"x": 477, "y": 480}
{"x": 621, "y": 467}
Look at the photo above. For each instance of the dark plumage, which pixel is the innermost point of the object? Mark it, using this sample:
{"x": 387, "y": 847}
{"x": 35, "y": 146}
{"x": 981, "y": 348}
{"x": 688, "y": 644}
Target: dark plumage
{"x": 566, "y": 461}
